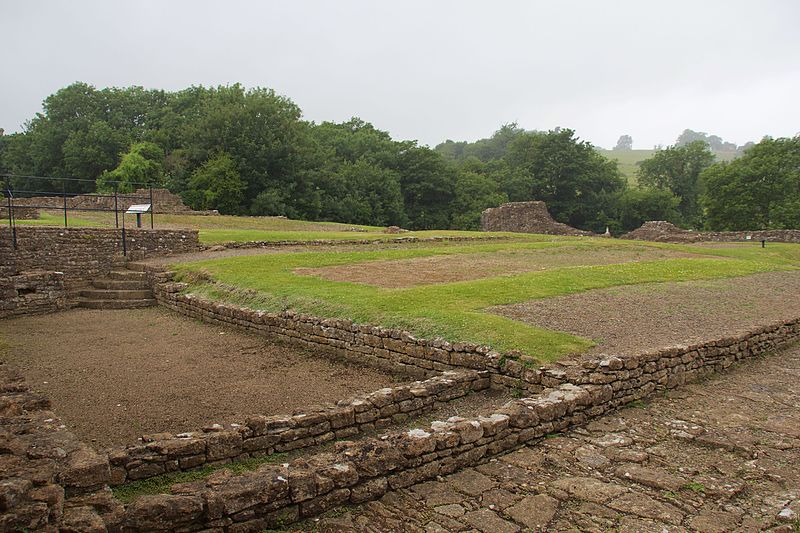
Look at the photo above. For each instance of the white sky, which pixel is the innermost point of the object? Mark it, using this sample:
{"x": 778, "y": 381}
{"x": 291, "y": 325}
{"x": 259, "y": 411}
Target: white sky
{"x": 433, "y": 70}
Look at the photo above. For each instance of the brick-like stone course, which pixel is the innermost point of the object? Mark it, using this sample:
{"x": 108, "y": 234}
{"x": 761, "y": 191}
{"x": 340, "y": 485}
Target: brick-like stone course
{"x": 31, "y": 293}
{"x": 82, "y": 254}
{"x": 262, "y": 435}
{"x": 164, "y": 201}
{"x": 661, "y": 231}
{"x": 361, "y": 471}
{"x": 351, "y": 242}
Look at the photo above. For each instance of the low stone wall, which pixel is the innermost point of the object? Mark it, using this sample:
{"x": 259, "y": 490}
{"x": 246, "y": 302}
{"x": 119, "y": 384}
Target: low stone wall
{"x": 32, "y": 293}
{"x": 351, "y": 242}
{"x": 48, "y": 478}
{"x": 85, "y": 253}
{"x": 265, "y": 435}
{"x": 164, "y": 201}
{"x": 661, "y": 231}
{"x": 363, "y": 471}
{"x": 20, "y": 213}
{"x": 526, "y": 217}
{"x": 389, "y": 349}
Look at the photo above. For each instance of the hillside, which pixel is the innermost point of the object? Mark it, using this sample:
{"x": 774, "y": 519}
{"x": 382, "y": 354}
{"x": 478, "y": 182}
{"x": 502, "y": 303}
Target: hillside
{"x": 628, "y": 160}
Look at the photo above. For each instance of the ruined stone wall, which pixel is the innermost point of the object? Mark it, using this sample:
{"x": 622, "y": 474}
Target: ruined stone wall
{"x": 265, "y": 435}
{"x": 661, "y": 231}
{"x": 526, "y": 217}
{"x": 389, "y": 349}
{"x": 357, "y": 472}
{"x": 84, "y": 253}
{"x": 20, "y": 213}
{"x": 47, "y": 476}
{"x": 164, "y": 201}
{"x": 32, "y": 293}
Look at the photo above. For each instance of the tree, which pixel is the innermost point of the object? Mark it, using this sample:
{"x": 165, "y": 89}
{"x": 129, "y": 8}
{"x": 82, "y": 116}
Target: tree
{"x": 625, "y": 142}
{"x": 634, "y": 207}
{"x": 141, "y": 166}
{"x": 216, "y": 184}
{"x": 677, "y": 169}
{"x": 473, "y": 193}
{"x": 568, "y": 174}
{"x": 760, "y": 190}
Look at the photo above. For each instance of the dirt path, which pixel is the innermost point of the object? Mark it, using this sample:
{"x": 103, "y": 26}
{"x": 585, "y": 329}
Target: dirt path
{"x": 720, "y": 456}
{"x": 115, "y": 375}
{"x": 634, "y": 318}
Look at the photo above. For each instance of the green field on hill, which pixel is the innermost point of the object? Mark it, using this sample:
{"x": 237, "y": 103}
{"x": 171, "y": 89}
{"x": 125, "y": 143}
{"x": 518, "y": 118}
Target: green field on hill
{"x": 628, "y": 160}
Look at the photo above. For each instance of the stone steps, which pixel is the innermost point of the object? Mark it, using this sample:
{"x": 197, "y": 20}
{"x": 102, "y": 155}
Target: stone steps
{"x": 116, "y": 294}
{"x": 127, "y": 275}
{"x": 115, "y": 304}
{"x": 121, "y": 289}
{"x": 120, "y": 284}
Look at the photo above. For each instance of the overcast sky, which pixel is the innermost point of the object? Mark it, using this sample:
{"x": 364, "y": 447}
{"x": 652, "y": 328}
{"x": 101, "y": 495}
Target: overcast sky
{"x": 434, "y": 70}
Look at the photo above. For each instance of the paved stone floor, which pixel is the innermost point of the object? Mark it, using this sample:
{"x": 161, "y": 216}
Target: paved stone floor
{"x": 721, "y": 455}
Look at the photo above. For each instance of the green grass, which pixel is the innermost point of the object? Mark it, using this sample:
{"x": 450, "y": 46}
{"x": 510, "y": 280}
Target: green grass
{"x": 457, "y": 311}
{"x": 50, "y": 219}
{"x": 161, "y": 484}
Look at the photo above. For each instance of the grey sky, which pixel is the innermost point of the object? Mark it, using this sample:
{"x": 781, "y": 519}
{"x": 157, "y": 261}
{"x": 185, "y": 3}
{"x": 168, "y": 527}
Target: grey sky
{"x": 432, "y": 70}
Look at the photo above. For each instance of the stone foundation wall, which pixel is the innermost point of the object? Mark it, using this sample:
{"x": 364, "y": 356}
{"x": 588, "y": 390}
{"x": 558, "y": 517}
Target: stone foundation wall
{"x": 48, "y": 478}
{"x": 526, "y": 217}
{"x": 164, "y": 201}
{"x": 359, "y": 472}
{"x": 389, "y": 349}
{"x": 85, "y": 253}
{"x": 265, "y": 435}
{"x": 32, "y": 293}
{"x": 660, "y": 231}
{"x": 350, "y": 242}
{"x": 20, "y": 213}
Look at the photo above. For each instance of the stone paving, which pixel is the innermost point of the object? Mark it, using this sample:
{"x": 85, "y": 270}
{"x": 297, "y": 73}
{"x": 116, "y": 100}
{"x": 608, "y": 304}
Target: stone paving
{"x": 717, "y": 456}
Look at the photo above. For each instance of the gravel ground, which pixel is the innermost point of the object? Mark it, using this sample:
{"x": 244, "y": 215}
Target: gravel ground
{"x": 633, "y": 318}
{"x": 115, "y": 375}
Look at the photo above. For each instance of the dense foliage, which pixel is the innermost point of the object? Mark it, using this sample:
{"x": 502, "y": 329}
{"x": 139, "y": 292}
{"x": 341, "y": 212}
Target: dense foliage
{"x": 248, "y": 151}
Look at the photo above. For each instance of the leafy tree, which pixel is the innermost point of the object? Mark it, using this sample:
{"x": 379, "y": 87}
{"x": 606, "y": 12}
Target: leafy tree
{"x": 141, "y": 166}
{"x": 677, "y": 169}
{"x": 625, "y": 142}
{"x": 568, "y": 174}
{"x": 494, "y": 147}
{"x": 634, "y": 207}
{"x": 760, "y": 190}
{"x": 474, "y": 193}
{"x": 216, "y": 184}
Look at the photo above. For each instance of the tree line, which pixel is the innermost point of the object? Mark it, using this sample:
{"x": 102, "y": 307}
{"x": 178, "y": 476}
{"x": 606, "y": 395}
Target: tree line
{"x": 249, "y": 152}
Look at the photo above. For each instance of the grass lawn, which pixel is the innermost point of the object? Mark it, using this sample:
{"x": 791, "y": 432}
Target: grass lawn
{"x": 457, "y": 310}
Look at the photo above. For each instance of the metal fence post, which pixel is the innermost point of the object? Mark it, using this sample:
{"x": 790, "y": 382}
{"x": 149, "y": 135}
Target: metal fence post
{"x": 116, "y": 208}
{"x": 151, "y": 207}
{"x": 64, "y": 193}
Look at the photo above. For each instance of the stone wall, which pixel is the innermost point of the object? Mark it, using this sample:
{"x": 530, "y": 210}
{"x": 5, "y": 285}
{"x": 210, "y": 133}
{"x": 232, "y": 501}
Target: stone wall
{"x": 48, "y": 478}
{"x": 20, "y": 213}
{"x": 350, "y": 242}
{"x": 661, "y": 231}
{"x": 265, "y": 435}
{"x": 526, "y": 217}
{"x": 32, "y": 293}
{"x": 390, "y": 349}
{"x": 357, "y": 472}
{"x": 164, "y": 201}
{"x": 85, "y": 253}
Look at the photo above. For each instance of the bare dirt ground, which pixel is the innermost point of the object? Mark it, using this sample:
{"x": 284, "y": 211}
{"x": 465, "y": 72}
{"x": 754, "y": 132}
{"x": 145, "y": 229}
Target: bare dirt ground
{"x": 633, "y": 318}
{"x": 720, "y": 456}
{"x": 450, "y": 268}
{"x": 115, "y": 375}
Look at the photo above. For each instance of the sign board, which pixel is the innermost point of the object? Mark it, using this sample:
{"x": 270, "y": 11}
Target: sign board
{"x": 139, "y": 209}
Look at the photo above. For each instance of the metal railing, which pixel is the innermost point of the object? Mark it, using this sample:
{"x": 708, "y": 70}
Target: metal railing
{"x": 44, "y": 198}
